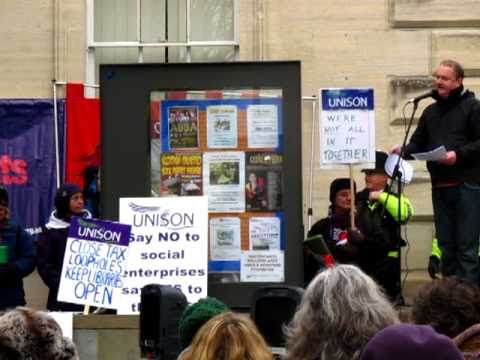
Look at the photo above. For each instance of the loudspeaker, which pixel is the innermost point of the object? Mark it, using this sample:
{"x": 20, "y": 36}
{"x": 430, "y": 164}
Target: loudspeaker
{"x": 160, "y": 310}
{"x": 272, "y": 308}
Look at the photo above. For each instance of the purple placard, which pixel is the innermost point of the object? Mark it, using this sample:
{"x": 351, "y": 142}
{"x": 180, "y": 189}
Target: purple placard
{"x": 99, "y": 230}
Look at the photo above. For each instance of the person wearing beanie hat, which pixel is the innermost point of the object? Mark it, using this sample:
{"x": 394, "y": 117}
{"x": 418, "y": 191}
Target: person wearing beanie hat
{"x": 33, "y": 335}
{"x": 335, "y": 227}
{"x": 379, "y": 221}
{"x": 196, "y": 315}
{"x": 412, "y": 342}
{"x": 17, "y": 257}
{"x": 53, "y": 240}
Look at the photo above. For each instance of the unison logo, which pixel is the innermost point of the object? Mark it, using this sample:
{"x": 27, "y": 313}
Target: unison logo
{"x": 348, "y": 102}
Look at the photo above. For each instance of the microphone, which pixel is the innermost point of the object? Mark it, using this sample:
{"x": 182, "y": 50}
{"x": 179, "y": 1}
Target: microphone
{"x": 416, "y": 99}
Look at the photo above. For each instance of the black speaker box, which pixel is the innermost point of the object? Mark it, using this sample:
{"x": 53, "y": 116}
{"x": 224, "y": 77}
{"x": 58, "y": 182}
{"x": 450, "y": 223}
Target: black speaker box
{"x": 160, "y": 310}
{"x": 272, "y": 308}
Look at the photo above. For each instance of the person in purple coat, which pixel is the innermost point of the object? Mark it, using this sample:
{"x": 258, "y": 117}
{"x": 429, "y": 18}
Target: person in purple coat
{"x": 53, "y": 240}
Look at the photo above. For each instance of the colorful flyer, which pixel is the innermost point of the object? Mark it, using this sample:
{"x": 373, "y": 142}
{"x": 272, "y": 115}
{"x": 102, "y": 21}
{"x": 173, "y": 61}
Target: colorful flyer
{"x": 225, "y": 238}
{"x": 183, "y": 127}
{"x": 181, "y": 174}
{"x": 264, "y": 233}
{"x": 263, "y": 181}
{"x": 262, "y": 126}
{"x": 224, "y": 181}
{"x": 222, "y": 126}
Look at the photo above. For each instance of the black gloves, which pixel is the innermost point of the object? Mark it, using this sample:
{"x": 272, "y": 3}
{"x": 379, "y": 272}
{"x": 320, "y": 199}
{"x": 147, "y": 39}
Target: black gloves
{"x": 363, "y": 195}
{"x": 433, "y": 266}
{"x": 355, "y": 236}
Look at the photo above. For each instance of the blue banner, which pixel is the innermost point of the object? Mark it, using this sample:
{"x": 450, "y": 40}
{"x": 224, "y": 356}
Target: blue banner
{"x": 347, "y": 99}
{"x": 27, "y": 158}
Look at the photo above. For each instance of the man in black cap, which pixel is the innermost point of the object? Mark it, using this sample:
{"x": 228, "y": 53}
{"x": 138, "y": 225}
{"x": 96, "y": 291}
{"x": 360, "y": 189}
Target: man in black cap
{"x": 379, "y": 219}
{"x": 17, "y": 257}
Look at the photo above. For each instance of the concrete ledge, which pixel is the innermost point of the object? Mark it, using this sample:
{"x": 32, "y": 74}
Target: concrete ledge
{"x": 106, "y": 322}
{"x": 434, "y": 13}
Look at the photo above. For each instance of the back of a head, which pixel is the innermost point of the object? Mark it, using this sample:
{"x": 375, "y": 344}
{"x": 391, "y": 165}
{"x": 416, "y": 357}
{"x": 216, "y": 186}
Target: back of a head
{"x": 450, "y": 305}
{"x": 228, "y": 336}
{"x": 412, "y": 342}
{"x": 34, "y": 335}
{"x": 196, "y": 315}
{"x": 341, "y": 309}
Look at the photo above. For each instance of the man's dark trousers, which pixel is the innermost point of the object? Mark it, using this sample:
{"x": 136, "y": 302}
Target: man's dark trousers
{"x": 457, "y": 223}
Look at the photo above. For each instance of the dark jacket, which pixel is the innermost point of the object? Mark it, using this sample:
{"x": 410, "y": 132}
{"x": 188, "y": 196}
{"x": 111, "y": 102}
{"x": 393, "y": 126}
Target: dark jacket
{"x": 51, "y": 250}
{"x": 334, "y": 230}
{"x": 454, "y": 123}
{"x": 379, "y": 251}
{"x": 21, "y": 262}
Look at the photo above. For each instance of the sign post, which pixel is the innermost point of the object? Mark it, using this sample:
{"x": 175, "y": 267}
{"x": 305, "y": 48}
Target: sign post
{"x": 347, "y": 130}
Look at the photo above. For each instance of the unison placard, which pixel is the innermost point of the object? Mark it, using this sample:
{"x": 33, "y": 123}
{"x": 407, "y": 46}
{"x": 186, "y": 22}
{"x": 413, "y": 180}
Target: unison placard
{"x": 94, "y": 262}
{"x": 347, "y": 127}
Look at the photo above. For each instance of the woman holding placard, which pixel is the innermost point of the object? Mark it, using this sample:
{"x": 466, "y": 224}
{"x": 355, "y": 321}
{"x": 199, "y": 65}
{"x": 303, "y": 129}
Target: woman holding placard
{"x": 53, "y": 240}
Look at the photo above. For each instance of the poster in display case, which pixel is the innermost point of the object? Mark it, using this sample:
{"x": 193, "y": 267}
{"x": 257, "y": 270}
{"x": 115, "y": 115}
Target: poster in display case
{"x": 227, "y": 131}
{"x": 235, "y": 139}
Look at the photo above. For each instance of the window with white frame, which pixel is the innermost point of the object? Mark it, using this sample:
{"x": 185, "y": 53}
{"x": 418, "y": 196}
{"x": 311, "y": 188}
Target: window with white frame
{"x": 131, "y": 31}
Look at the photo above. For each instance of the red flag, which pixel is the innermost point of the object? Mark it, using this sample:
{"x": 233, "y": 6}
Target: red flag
{"x": 82, "y": 134}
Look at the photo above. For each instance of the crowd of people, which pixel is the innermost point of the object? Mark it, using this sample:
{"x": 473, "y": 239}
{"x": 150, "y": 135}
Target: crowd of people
{"x": 349, "y": 309}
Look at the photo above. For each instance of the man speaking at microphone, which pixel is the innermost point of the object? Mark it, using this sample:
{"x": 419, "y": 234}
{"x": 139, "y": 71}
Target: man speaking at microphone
{"x": 453, "y": 120}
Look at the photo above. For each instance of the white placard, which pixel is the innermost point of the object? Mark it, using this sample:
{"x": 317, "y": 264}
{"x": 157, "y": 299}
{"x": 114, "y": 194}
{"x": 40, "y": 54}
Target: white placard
{"x": 168, "y": 246}
{"x": 347, "y": 127}
{"x": 222, "y": 126}
{"x": 262, "y": 266}
{"x": 94, "y": 262}
{"x": 262, "y": 126}
{"x": 224, "y": 181}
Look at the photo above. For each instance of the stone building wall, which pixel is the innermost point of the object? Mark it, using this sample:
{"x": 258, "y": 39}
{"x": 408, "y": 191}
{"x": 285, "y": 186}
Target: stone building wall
{"x": 392, "y": 46}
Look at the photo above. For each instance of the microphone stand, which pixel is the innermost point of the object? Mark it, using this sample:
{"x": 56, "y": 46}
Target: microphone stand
{"x": 397, "y": 177}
